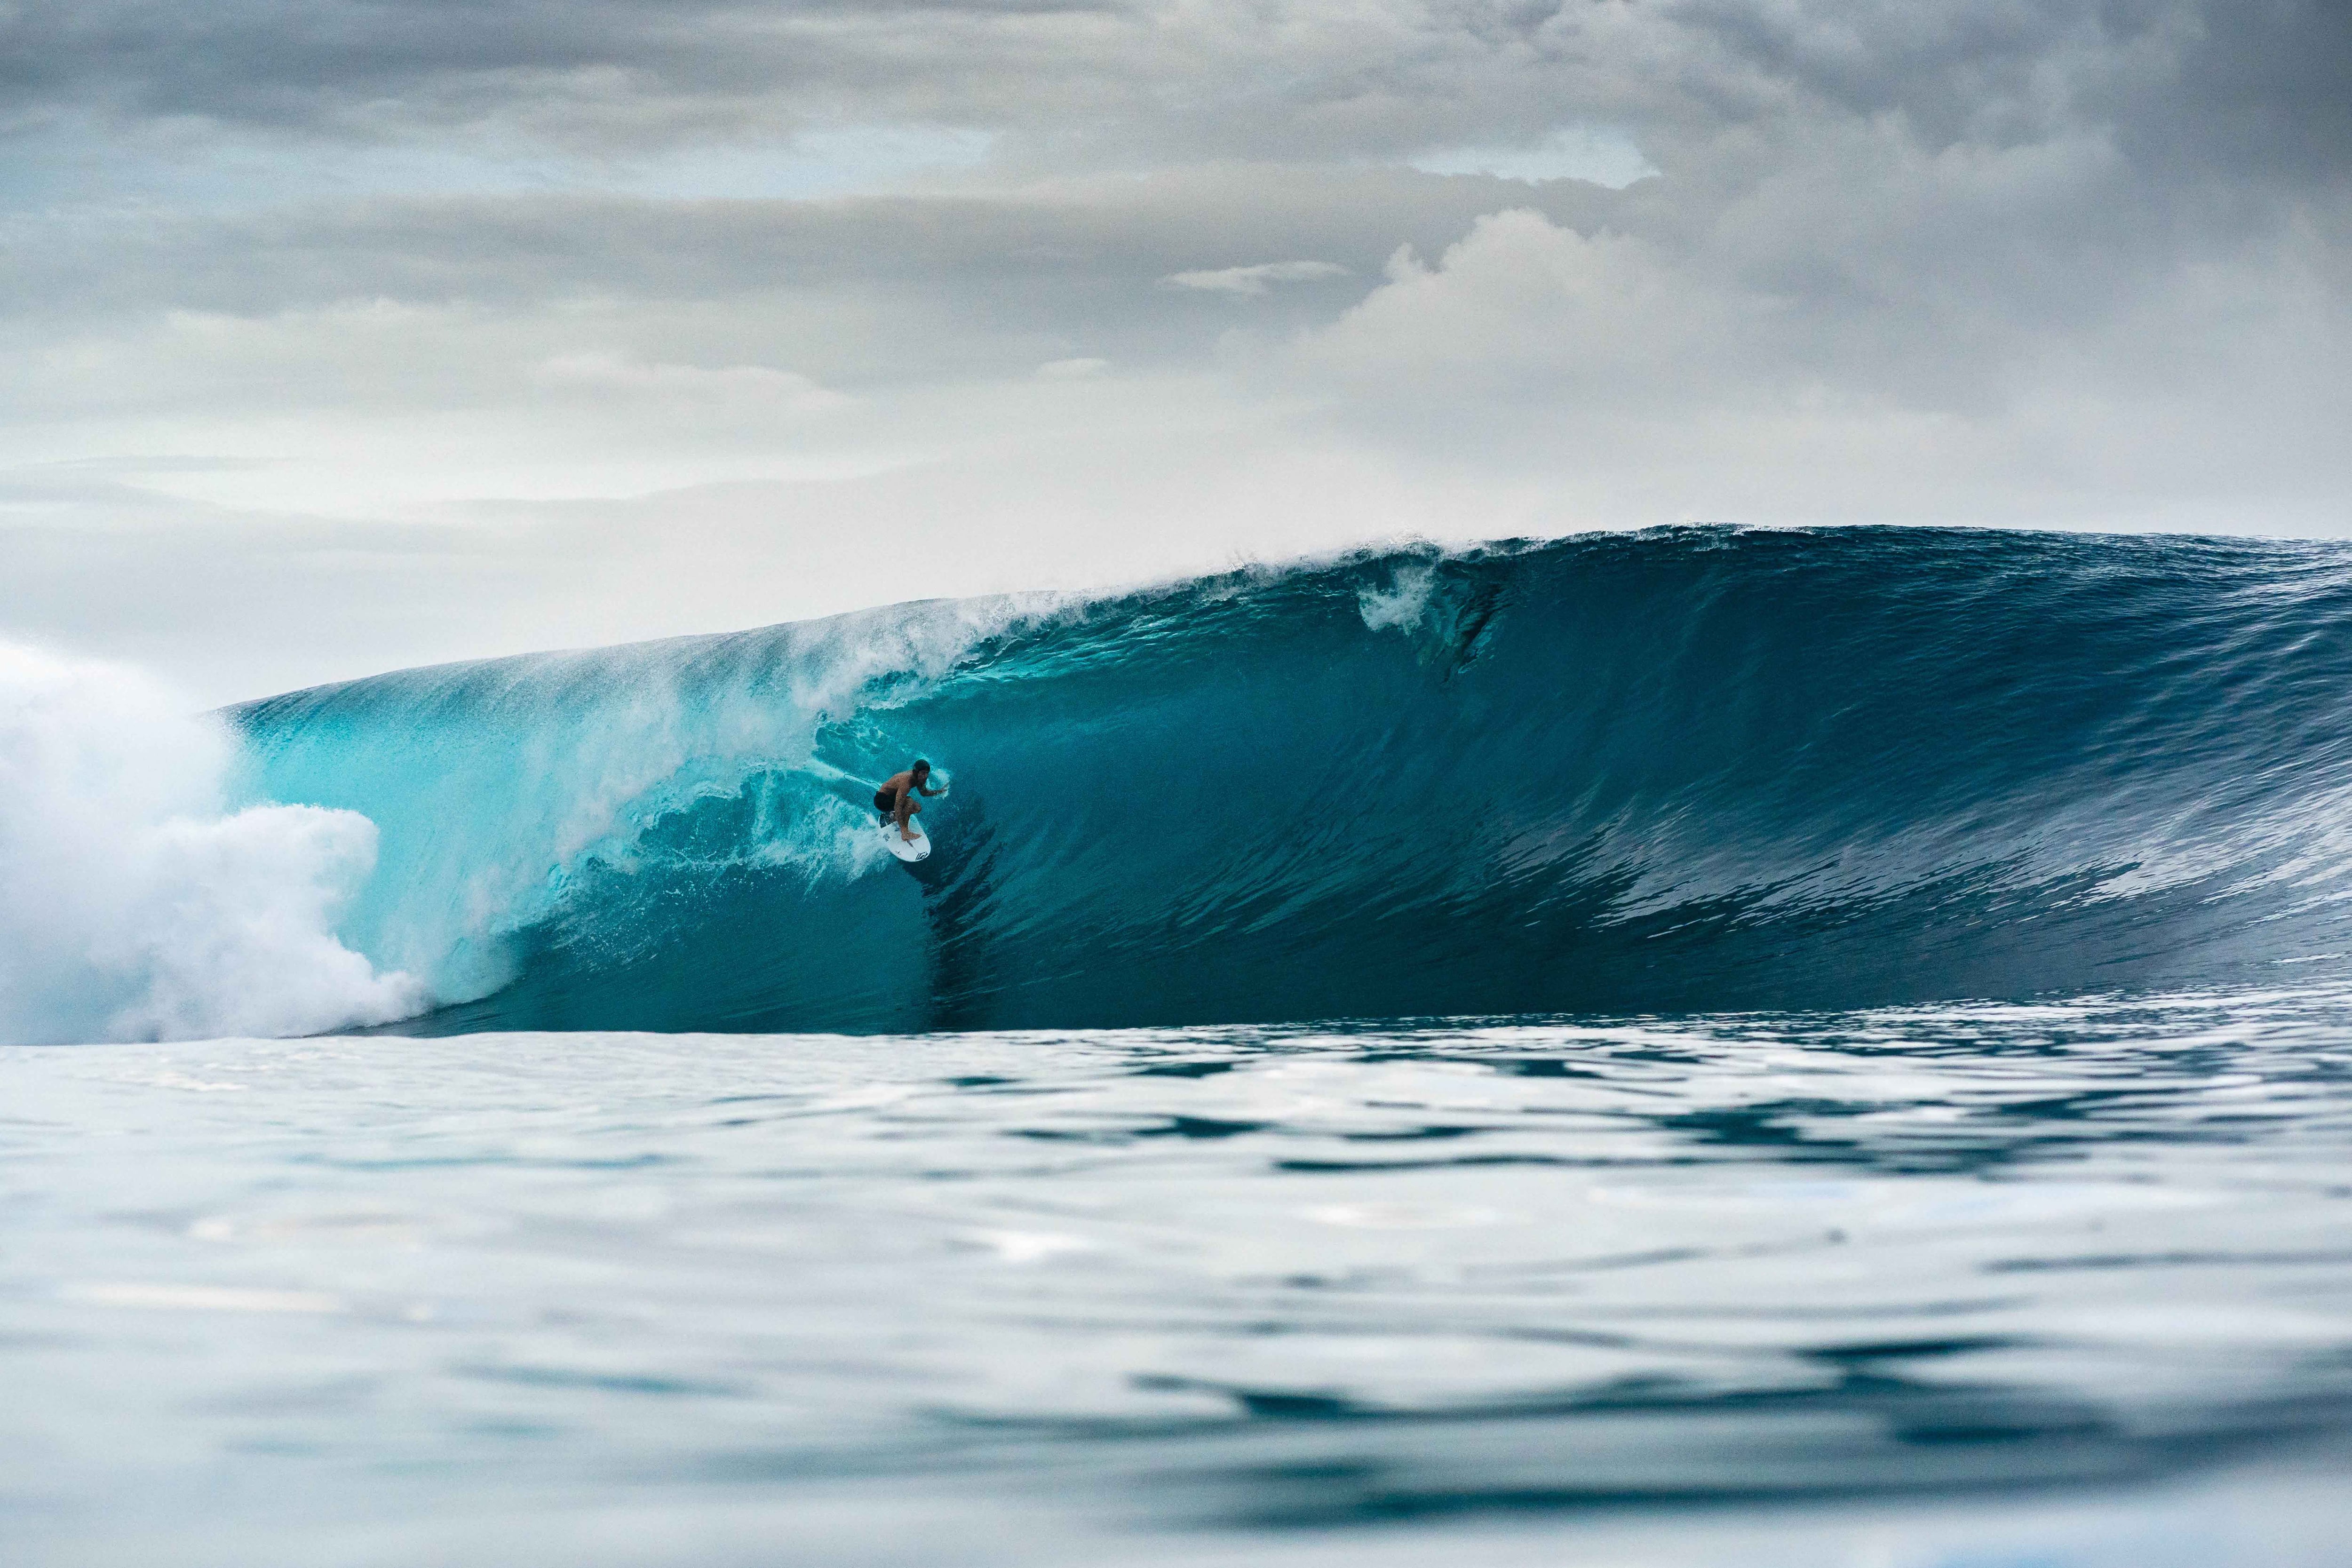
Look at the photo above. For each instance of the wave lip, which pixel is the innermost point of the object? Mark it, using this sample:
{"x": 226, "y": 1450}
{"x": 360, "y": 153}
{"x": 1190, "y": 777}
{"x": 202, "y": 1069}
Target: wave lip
{"x": 1705, "y": 769}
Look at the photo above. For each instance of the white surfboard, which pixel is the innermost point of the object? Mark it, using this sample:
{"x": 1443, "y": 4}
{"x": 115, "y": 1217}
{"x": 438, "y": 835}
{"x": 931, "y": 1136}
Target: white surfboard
{"x": 910, "y": 853}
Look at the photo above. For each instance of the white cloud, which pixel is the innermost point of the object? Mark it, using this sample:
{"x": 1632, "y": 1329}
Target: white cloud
{"x": 606, "y": 372}
{"x": 1598, "y": 154}
{"x": 1637, "y": 379}
{"x": 1072, "y": 369}
{"x": 1254, "y": 280}
{"x": 1535, "y": 315}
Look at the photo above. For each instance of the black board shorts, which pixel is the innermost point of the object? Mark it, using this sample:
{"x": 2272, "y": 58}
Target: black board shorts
{"x": 887, "y": 804}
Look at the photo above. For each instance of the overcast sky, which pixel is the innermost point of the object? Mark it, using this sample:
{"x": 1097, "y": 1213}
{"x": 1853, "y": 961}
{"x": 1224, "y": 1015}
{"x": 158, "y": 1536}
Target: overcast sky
{"x": 336, "y": 336}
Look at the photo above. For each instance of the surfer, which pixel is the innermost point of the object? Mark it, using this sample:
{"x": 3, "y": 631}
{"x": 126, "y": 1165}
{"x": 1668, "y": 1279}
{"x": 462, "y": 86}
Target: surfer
{"x": 896, "y": 799}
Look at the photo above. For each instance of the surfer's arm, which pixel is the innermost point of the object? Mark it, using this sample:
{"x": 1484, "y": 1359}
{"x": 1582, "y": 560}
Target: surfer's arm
{"x": 920, "y": 790}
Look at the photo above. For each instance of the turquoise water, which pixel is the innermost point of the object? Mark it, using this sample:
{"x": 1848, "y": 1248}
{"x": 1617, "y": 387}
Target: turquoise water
{"x": 2055, "y": 1282}
{"x": 1702, "y": 770}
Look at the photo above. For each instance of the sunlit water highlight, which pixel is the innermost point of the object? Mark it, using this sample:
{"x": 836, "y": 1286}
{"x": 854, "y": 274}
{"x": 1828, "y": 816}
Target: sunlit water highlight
{"x": 2030, "y": 1276}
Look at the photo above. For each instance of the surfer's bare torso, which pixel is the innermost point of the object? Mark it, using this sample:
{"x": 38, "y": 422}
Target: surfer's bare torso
{"x": 896, "y": 799}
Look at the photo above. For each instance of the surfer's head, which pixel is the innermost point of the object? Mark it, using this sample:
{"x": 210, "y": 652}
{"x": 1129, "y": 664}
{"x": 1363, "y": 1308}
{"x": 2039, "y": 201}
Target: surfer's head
{"x": 921, "y": 768}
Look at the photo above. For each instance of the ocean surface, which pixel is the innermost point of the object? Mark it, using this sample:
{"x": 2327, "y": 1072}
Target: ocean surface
{"x": 1709, "y": 1047}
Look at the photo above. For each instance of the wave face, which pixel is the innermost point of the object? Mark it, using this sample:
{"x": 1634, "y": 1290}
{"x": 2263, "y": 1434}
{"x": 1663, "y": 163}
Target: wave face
{"x": 1693, "y": 769}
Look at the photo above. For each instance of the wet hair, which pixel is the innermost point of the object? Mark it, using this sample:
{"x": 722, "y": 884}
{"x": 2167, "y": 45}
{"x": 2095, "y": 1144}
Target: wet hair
{"x": 920, "y": 766}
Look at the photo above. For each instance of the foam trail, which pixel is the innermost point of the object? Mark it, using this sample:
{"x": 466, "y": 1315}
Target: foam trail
{"x": 133, "y": 904}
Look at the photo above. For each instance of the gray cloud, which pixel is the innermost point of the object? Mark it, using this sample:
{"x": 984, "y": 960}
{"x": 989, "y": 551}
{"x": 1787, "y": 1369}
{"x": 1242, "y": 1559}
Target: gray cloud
{"x": 855, "y": 292}
{"x": 2244, "y": 85}
{"x": 2068, "y": 263}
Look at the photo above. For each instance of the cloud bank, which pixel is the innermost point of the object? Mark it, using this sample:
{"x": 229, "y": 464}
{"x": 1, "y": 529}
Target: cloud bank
{"x": 505, "y": 326}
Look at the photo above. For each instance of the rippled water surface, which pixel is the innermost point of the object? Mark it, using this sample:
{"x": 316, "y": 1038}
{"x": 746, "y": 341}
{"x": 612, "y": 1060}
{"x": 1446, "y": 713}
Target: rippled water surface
{"x": 2055, "y": 1283}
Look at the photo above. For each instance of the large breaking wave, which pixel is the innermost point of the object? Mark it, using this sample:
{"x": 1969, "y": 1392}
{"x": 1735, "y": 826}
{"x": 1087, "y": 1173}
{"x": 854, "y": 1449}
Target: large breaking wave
{"x": 1687, "y": 769}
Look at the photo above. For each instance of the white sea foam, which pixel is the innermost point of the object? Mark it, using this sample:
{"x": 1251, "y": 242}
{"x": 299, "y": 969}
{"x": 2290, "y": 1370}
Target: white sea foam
{"x": 133, "y": 904}
{"x": 1401, "y": 605}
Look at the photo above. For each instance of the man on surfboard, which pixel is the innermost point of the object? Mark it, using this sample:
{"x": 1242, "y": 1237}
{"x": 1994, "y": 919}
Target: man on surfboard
{"x": 896, "y": 799}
